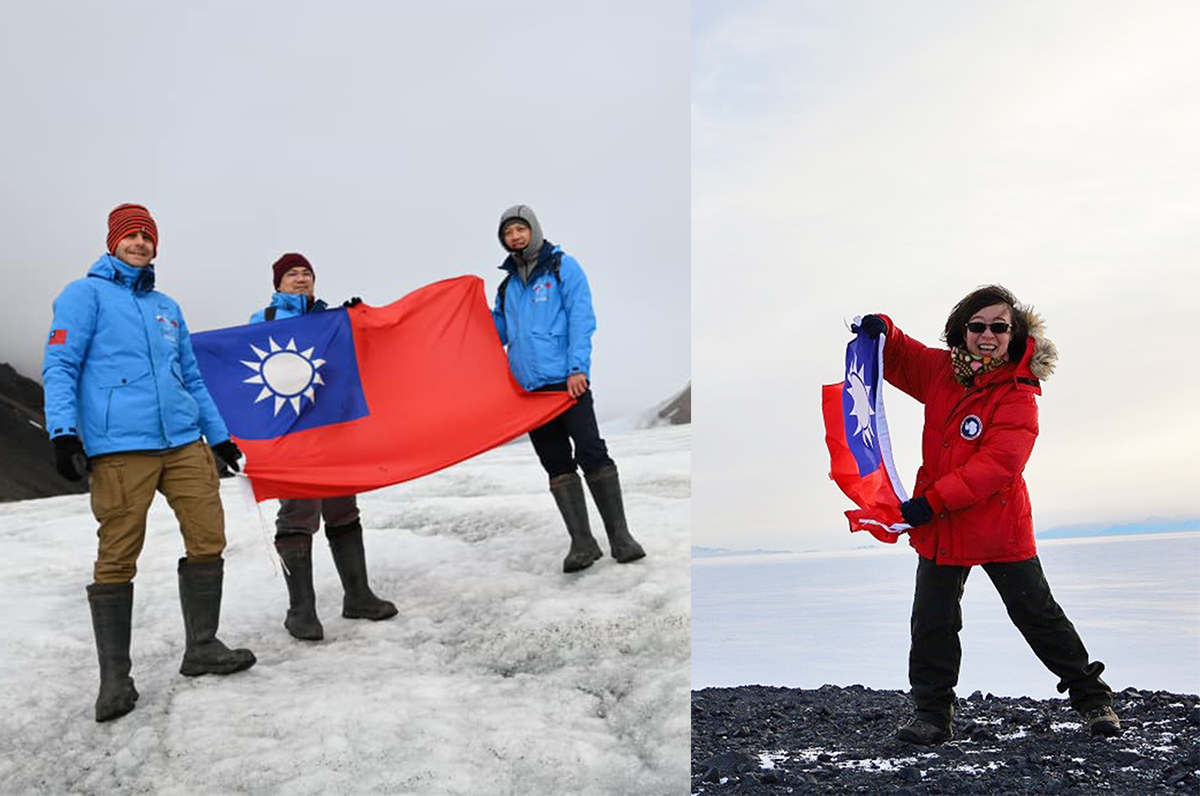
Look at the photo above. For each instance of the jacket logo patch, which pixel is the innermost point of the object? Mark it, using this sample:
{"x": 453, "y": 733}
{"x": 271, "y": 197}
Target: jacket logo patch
{"x": 57, "y": 337}
{"x": 971, "y": 427}
{"x": 541, "y": 291}
{"x": 167, "y": 327}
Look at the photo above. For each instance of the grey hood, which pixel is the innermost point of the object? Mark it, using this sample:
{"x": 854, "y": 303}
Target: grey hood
{"x": 525, "y": 214}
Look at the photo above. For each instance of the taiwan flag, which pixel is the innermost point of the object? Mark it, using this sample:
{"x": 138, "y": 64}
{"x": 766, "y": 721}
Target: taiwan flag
{"x": 343, "y": 401}
{"x": 860, "y": 449}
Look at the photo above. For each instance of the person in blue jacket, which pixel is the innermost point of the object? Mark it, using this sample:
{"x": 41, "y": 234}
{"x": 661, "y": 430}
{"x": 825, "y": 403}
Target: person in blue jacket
{"x": 543, "y": 313}
{"x": 125, "y": 406}
{"x": 300, "y": 518}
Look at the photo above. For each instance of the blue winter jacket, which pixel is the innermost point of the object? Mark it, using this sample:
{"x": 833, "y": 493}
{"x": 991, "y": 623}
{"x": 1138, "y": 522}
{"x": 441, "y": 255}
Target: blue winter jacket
{"x": 287, "y": 305}
{"x": 547, "y": 323}
{"x": 119, "y": 371}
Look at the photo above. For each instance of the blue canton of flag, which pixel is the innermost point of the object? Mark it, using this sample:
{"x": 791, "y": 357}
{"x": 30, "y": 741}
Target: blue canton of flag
{"x": 271, "y": 379}
{"x": 859, "y": 391}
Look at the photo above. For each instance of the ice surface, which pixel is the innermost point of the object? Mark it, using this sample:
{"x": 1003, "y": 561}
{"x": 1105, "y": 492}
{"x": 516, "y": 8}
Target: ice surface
{"x": 804, "y": 620}
{"x": 500, "y": 675}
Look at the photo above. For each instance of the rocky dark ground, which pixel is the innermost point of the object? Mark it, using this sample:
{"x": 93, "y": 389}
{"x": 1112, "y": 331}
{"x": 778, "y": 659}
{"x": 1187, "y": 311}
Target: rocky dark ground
{"x": 26, "y": 454}
{"x": 835, "y": 740}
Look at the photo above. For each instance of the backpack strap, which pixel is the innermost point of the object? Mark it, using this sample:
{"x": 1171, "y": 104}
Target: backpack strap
{"x": 500, "y": 292}
{"x": 269, "y": 313}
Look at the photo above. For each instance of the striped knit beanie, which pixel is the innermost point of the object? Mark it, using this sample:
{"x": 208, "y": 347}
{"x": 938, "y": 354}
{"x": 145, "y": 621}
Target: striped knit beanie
{"x": 127, "y": 219}
{"x": 287, "y": 262}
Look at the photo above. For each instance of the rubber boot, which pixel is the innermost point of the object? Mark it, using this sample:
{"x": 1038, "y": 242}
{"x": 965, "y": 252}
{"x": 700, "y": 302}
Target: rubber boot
{"x": 568, "y": 494}
{"x": 359, "y": 602}
{"x": 296, "y": 552}
{"x": 200, "y": 598}
{"x": 606, "y": 491}
{"x": 112, "y": 615}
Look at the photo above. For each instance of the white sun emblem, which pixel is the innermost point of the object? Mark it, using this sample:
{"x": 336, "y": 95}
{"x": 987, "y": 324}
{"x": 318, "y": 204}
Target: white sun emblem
{"x": 860, "y": 393}
{"x": 286, "y": 373}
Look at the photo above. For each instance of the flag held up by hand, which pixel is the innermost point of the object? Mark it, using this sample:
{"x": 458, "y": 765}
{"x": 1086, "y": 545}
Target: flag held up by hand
{"x": 348, "y": 400}
{"x": 860, "y": 448}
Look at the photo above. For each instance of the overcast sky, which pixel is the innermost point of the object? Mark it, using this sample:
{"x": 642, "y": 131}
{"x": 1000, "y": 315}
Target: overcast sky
{"x": 382, "y": 140}
{"x": 851, "y": 157}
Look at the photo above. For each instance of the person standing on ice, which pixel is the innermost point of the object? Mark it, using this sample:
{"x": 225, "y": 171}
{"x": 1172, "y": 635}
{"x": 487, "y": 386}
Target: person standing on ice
{"x": 125, "y": 402}
{"x": 300, "y": 518}
{"x": 543, "y": 313}
{"x": 971, "y": 505}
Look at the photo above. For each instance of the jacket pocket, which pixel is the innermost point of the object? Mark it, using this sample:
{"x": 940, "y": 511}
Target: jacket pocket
{"x": 107, "y": 486}
{"x": 183, "y": 412}
{"x": 550, "y": 354}
{"x": 119, "y": 391}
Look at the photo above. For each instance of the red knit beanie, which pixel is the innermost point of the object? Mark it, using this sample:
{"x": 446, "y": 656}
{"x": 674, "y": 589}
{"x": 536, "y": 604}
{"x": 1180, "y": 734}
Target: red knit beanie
{"x": 287, "y": 262}
{"x": 127, "y": 219}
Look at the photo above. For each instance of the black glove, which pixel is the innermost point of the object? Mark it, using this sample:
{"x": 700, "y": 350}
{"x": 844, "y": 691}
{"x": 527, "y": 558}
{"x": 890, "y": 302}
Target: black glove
{"x": 352, "y": 302}
{"x": 228, "y": 453}
{"x": 916, "y": 511}
{"x": 69, "y": 458}
{"x": 872, "y": 326}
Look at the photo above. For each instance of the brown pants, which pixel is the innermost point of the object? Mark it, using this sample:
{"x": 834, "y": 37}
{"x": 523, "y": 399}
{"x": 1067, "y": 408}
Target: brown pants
{"x": 123, "y": 487}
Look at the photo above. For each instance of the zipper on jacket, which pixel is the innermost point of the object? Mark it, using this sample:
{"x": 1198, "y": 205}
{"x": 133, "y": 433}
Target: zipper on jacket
{"x": 162, "y": 415}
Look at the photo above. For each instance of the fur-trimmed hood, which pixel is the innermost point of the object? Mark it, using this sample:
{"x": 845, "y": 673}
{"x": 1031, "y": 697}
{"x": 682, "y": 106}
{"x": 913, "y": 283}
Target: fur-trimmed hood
{"x": 1044, "y": 355}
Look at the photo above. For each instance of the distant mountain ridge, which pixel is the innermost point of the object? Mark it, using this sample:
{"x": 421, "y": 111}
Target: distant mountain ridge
{"x": 710, "y": 552}
{"x": 27, "y": 455}
{"x": 1078, "y": 531}
{"x": 675, "y": 411}
{"x": 1151, "y": 525}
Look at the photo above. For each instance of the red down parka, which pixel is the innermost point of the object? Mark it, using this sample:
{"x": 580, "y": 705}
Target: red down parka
{"x": 974, "y": 448}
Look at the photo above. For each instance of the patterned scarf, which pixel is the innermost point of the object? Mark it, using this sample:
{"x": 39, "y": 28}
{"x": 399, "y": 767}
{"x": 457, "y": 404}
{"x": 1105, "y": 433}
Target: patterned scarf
{"x": 967, "y": 366}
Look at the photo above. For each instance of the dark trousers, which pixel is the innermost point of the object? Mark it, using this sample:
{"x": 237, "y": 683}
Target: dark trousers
{"x": 933, "y": 661}
{"x": 303, "y": 515}
{"x": 578, "y": 425}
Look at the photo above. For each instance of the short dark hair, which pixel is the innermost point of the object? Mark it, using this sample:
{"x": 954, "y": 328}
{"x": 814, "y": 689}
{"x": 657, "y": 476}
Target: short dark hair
{"x": 955, "y": 332}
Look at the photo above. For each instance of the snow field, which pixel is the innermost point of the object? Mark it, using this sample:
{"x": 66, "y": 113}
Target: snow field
{"x": 500, "y": 675}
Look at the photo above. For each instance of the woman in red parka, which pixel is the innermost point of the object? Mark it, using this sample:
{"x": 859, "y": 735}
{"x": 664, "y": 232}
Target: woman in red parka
{"x": 971, "y": 505}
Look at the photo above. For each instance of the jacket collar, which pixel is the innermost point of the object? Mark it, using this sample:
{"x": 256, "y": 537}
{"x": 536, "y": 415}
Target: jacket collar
{"x": 1019, "y": 374}
{"x": 139, "y": 280}
{"x": 296, "y": 302}
{"x": 1023, "y": 374}
{"x": 547, "y": 252}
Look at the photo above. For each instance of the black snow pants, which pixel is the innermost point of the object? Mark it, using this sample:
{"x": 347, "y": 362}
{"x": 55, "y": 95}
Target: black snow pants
{"x": 552, "y": 441}
{"x": 935, "y": 655}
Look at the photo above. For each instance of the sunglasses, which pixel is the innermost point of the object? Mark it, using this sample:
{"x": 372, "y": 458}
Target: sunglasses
{"x": 998, "y": 327}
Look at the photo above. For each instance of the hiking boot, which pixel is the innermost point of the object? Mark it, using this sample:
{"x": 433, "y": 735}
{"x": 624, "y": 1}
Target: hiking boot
{"x": 925, "y": 733}
{"x": 567, "y": 490}
{"x": 200, "y": 598}
{"x": 1102, "y": 721}
{"x": 359, "y": 602}
{"x": 605, "y": 487}
{"x": 295, "y": 550}
{"x": 112, "y": 613}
